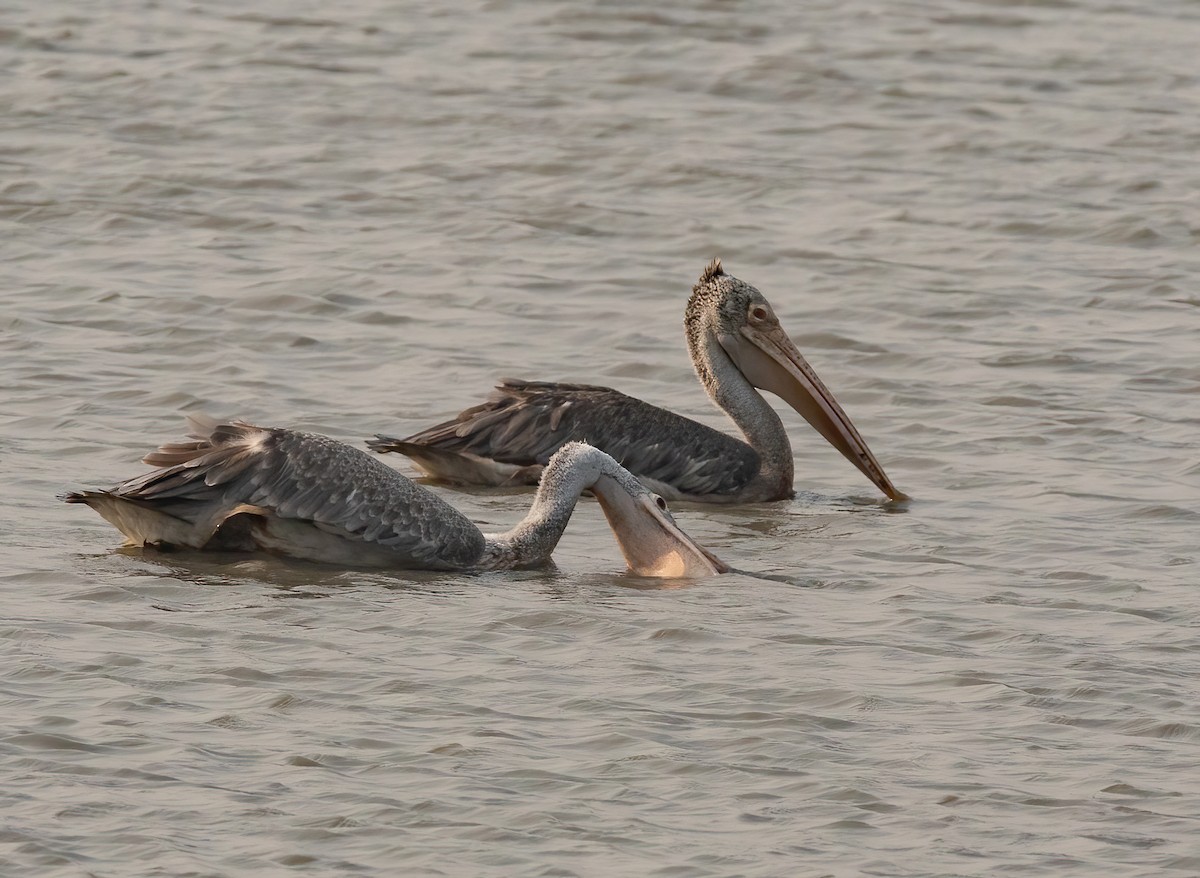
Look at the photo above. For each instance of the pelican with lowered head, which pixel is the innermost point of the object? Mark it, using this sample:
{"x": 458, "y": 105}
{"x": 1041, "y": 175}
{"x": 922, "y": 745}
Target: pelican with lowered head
{"x": 737, "y": 348}
{"x": 237, "y": 487}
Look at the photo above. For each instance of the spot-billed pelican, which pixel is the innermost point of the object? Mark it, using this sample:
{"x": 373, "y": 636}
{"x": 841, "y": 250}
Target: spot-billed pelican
{"x": 736, "y": 345}
{"x": 237, "y": 487}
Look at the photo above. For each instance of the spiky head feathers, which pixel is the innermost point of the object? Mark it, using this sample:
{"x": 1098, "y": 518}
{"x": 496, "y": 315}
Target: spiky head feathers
{"x": 721, "y": 296}
{"x": 713, "y": 269}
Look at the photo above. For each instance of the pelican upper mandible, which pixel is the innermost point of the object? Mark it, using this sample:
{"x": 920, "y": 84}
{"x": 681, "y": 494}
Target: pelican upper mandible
{"x": 736, "y": 345}
{"x": 237, "y": 487}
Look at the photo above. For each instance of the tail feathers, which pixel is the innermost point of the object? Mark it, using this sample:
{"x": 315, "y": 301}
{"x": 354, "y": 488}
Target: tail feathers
{"x": 144, "y": 525}
{"x": 456, "y": 467}
{"x": 184, "y": 502}
{"x": 141, "y": 524}
{"x": 383, "y": 444}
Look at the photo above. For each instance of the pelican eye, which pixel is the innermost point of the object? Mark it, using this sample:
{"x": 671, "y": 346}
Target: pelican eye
{"x": 758, "y": 312}
{"x": 661, "y": 503}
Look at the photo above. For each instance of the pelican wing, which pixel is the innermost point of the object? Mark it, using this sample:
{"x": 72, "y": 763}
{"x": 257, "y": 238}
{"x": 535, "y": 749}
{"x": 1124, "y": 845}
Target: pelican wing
{"x": 308, "y": 478}
{"x": 524, "y": 422}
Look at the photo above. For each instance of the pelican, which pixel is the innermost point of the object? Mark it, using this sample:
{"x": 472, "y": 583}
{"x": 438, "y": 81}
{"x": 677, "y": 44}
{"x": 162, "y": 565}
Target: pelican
{"x": 736, "y": 345}
{"x": 238, "y": 487}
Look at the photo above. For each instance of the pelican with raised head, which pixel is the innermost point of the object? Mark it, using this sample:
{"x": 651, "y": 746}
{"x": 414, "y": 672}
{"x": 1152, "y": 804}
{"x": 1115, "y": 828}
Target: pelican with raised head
{"x": 736, "y": 345}
{"x": 237, "y": 487}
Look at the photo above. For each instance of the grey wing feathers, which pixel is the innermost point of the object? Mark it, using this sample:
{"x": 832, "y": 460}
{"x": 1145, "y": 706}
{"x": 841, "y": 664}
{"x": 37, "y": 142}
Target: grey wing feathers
{"x": 306, "y": 477}
{"x": 525, "y": 422}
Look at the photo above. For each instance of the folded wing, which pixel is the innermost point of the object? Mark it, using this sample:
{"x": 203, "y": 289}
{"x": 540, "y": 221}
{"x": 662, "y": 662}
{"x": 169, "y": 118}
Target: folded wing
{"x": 523, "y": 423}
{"x": 289, "y": 477}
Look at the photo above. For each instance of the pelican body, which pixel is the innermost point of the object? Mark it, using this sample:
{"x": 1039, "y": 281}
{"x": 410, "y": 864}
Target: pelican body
{"x": 237, "y": 487}
{"x": 737, "y": 348}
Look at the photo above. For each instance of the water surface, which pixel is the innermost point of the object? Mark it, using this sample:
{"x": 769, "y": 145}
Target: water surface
{"x": 976, "y": 219}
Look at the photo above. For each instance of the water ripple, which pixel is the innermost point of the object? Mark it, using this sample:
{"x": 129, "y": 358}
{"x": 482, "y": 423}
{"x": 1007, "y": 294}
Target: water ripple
{"x": 974, "y": 225}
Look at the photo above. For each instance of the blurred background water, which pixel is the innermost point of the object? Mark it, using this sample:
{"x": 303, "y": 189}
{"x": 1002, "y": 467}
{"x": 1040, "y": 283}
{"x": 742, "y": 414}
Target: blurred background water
{"x": 977, "y": 219}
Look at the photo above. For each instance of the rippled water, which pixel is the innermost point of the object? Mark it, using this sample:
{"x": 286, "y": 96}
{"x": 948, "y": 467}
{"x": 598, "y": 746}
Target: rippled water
{"x": 978, "y": 219}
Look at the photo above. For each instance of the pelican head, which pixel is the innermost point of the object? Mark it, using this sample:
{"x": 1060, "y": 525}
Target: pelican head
{"x": 742, "y": 322}
{"x": 652, "y": 543}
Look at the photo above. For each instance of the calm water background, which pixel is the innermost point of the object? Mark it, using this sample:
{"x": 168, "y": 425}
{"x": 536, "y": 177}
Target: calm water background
{"x": 978, "y": 219}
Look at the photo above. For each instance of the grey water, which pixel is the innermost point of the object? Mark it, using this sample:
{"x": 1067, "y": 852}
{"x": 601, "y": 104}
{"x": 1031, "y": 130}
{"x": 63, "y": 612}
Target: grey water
{"x": 977, "y": 219}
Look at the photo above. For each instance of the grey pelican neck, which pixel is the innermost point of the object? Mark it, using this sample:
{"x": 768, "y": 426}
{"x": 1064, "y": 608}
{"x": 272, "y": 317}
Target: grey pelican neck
{"x": 731, "y": 392}
{"x": 659, "y": 550}
{"x": 571, "y": 472}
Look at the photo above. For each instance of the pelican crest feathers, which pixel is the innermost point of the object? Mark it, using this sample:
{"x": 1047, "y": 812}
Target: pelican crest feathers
{"x": 713, "y": 269}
